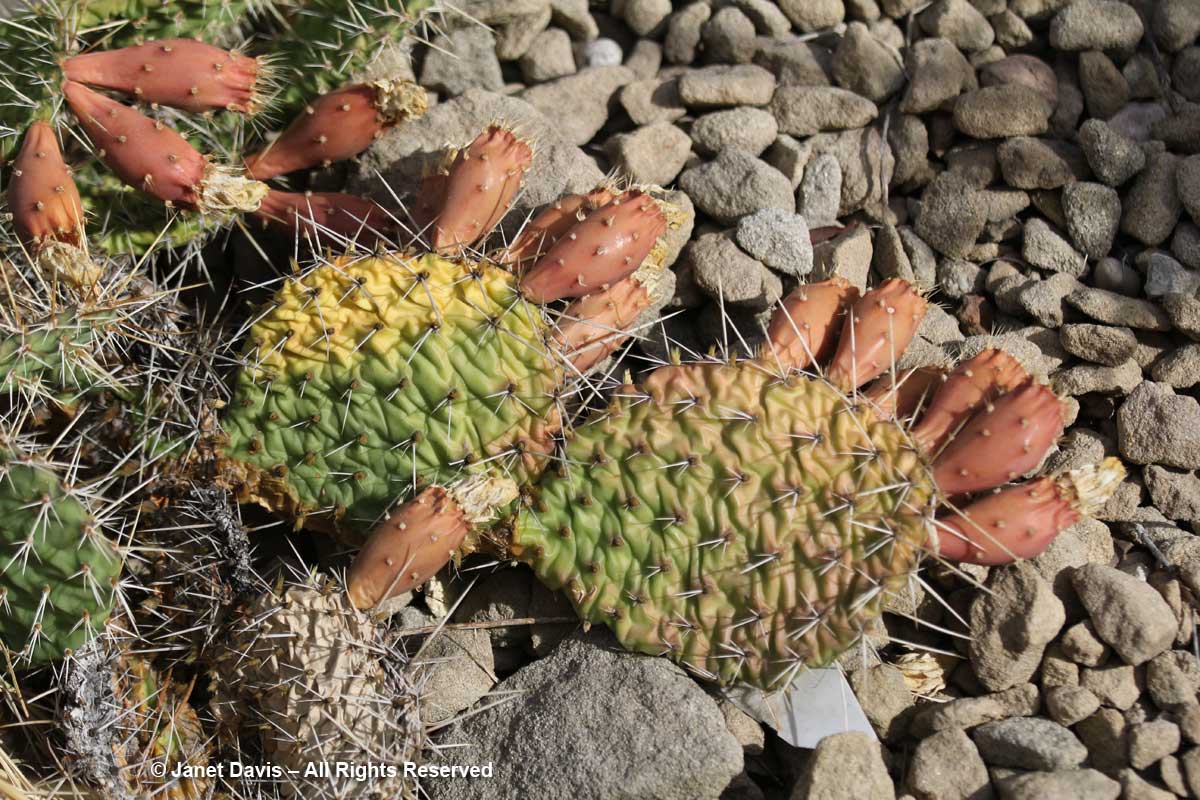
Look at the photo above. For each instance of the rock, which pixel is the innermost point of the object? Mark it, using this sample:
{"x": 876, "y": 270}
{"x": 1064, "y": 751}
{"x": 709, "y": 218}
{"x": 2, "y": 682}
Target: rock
{"x": 789, "y": 157}
{"x": 1080, "y": 644}
{"x": 645, "y": 59}
{"x": 1105, "y": 90}
{"x": 947, "y": 765}
{"x": 1031, "y": 163}
{"x": 573, "y": 736}
{"x": 683, "y": 32}
{"x": 549, "y": 57}
{"x": 778, "y": 239}
{"x": 1029, "y": 743}
{"x": 573, "y": 17}
{"x": 1165, "y": 275}
{"x": 736, "y": 184}
{"x": 459, "y": 670}
{"x": 1101, "y": 344}
{"x": 1175, "y": 24}
{"x": 1044, "y": 248}
{"x": 1137, "y": 120}
{"x": 1188, "y": 185}
{"x": 1024, "y": 70}
{"x": 958, "y": 21}
{"x": 723, "y": 271}
{"x": 1183, "y": 312}
{"x": 579, "y": 103}
{"x": 866, "y": 66}
{"x": 820, "y": 192}
{"x": 813, "y": 15}
{"x": 1070, "y": 704}
{"x": 716, "y": 86}
{"x": 910, "y": 143}
{"x": 1150, "y": 742}
{"x": 938, "y": 73}
{"x": 747, "y": 730}
{"x": 867, "y": 164}
{"x": 749, "y": 129}
{"x": 957, "y": 278}
{"x": 1088, "y": 379}
{"x": 1012, "y": 32}
{"x": 1179, "y": 132}
{"x": 1191, "y": 770}
{"x": 795, "y": 62}
{"x": 845, "y": 766}
{"x": 653, "y": 154}
{"x": 1173, "y": 679}
{"x": 1113, "y": 157}
{"x": 1126, "y": 613}
{"x": 848, "y": 255}
{"x": 1045, "y": 300}
{"x": 1179, "y": 368}
{"x": 602, "y": 53}
{"x": 1116, "y": 684}
{"x": 968, "y": 712}
{"x": 1115, "y": 309}
{"x": 646, "y": 17}
{"x": 1152, "y": 206}
{"x": 462, "y": 59}
{"x": 654, "y": 100}
{"x": 953, "y": 214}
{"x": 1172, "y": 776}
{"x": 994, "y": 112}
{"x": 1134, "y": 787}
{"x": 1106, "y": 737}
{"x": 401, "y": 157}
{"x": 728, "y": 37}
{"x": 805, "y": 110}
{"x": 1157, "y": 426}
{"x": 1096, "y": 25}
{"x": 884, "y": 697}
{"x": 515, "y": 38}
{"x": 1185, "y": 244}
{"x": 1093, "y": 213}
{"x": 768, "y": 20}
{"x": 1069, "y": 784}
{"x": 1011, "y": 626}
{"x": 1116, "y": 276}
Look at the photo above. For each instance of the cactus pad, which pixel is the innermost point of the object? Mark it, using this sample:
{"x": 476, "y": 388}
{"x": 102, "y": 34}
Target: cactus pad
{"x": 747, "y": 524}
{"x": 369, "y": 377}
{"x": 58, "y": 573}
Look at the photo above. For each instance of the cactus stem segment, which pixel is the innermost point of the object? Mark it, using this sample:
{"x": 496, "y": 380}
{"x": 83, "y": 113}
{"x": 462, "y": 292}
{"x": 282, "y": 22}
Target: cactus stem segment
{"x": 803, "y": 330}
{"x": 483, "y": 179}
{"x": 877, "y": 330}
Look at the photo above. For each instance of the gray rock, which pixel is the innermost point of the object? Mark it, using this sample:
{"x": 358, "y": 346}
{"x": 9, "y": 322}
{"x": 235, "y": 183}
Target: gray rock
{"x": 789, "y": 157}
{"x": 549, "y": 57}
{"x": 1031, "y": 163}
{"x": 462, "y": 59}
{"x": 1115, "y": 276}
{"x": 1029, "y": 743}
{"x": 458, "y": 669}
{"x": 1045, "y": 300}
{"x": 1135, "y": 787}
{"x": 956, "y": 278}
{"x": 1115, "y": 309}
{"x": 1126, "y": 613}
{"x": 653, "y": 154}
{"x": 1106, "y": 736}
{"x": 645, "y": 59}
{"x": 653, "y": 100}
{"x": 938, "y": 72}
{"x": 1176, "y": 494}
{"x": 1115, "y": 684}
{"x": 767, "y": 18}
{"x": 683, "y": 32}
{"x": 1178, "y": 368}
{"x": 910, "y": 142}
{"x": 1093, "y": 213}
{"x": 579, "y": 103}
{"x": 1080, "y": 644}
{"x": 866, "y": 66}
{"x": 1172, "y": 680}
{"x": 1012, "y": 32}
{"x": 995, "y": 112}
{"x": 1152, "y": 206}
{"x": 1165, "y": 275}
{"x": 1023, "y": 69}
{"x": 1096, "y": 25}
{"x": 646, "y": 17}
{"x": 728, "y": 37}
{"x": 1137, "y": 120}
{"x": 602, "y": 53}
{"x": 1105, "y": 90}
{"x": 1188, "y": 186}
{"x": 723, "y": 271}
{"x": 1068, "y": 705}
{"x": 778, "y": 239}
{"x": 1068, "y": 784}
{"x": 736, "y": 184}
{"x": 867, "y": 164}
{"x": 1088, "y": 379}
{"x": 1183, "y": 312}
{"x": 1157, "y": 426}
{"x": 1175, "y": 24}
{"x": 795, "y": 62}
{"x": 1101, "y": 344}
{"x": 884, "y": 697}
{"x": 1150, "y": 742}
{"x": 1011, "y": 626}
{"x": 953, "y": 214}
{"x": 968, "y": 712}
{"x": 820, "y": 192}
{"x": 516, "y": 37}
{"x": 845, "y": 765}
{"x": 572, "y": 736}
{"x": 958, "y": 21}
{"x": 805, "y": 110}
{"x": 947, "y": 765}
{"x": 1185, "y": 244}
{"x": 848, "y": 255}
{"x": 717, "y": 86}
{"x": 813, "y": 15}
{"x": 749, "y": 129}
{"x": 1114, "y": 157}
{"x": 1045, "y": 248}
{"x": 573, "y": 17}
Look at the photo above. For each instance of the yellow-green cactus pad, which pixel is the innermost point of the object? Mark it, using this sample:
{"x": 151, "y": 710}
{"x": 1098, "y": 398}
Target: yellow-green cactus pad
{"x": 746, "y": 524}
{"x": 369, "y": 377}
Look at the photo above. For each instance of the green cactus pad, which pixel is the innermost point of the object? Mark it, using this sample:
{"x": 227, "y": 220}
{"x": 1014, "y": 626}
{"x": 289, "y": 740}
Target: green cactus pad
{"x": 369, "y": 377}
{"x": 746, "y": 524}
{"x": 58, "y": 573}
{"x": 55, "y": 359}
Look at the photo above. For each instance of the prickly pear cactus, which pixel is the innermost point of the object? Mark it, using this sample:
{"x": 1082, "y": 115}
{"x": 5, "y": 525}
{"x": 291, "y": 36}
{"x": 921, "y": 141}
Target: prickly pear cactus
{"x": 59, "y": 577}
{"x": 372, "y": 376}
{"x": 820, "y": 509}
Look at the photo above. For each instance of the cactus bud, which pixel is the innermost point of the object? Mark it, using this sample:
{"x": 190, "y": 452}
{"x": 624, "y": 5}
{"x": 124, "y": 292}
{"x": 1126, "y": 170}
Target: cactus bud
{"x": 876, "y": 331}
{"x": 42, "y": 196}
{"x": 314, "y": 214}
{"x": 973, "y": 383}
{"x": 804, "y": 328}
{"x": 551, "y": 224}
{"x": 483, "y": 180}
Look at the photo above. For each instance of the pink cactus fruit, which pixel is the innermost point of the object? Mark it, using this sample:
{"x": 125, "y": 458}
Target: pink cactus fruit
{"x": 314, "y": 215}
{"x": 181, "y": 73}
{"x": 911, "y": 392}
{"x": 1002, "y": 442}
{"x": 595, "y": 325}
{"x": 973, "y": 383}
{"x": 483, "y": 180}
{"x": 804, "y": 329}
{"x": 876, "y": 331}
{"x": 42, "y": 196}
{"x": 551, "y": 224}
{"x": 610, "y": 244}
{"x": 337, "y": 126}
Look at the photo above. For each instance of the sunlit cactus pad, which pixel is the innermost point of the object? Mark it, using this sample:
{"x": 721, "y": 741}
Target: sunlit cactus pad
{"x": 747, "y": 524}
{"x": 58, "y": 573}
{"x": 370, "y": 376}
